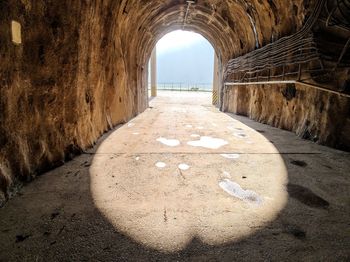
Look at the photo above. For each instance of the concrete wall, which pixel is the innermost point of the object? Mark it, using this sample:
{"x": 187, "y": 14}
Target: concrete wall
{"x": 69, "y": 81}
{"x": 320, "y": 116}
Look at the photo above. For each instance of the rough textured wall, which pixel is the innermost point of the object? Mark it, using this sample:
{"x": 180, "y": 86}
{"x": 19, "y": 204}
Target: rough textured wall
{"x": 65, "y": 85}
{"x": 37, "y": 94}
{"x": 320, "y": 116}
{"x": 82, "y": 66}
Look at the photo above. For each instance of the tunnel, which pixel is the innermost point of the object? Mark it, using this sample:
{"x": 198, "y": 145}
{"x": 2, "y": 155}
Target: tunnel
{"x": 92, "y": 168}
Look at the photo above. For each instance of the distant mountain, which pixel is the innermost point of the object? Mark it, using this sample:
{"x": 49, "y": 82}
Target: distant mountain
{"x": 190, "y": 64}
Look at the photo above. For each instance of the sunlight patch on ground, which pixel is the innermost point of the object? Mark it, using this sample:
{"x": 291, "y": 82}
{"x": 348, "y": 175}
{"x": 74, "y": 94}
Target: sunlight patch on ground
{"x": 183, "y": 191}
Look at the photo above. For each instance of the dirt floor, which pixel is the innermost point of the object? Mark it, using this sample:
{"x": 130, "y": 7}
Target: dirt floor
{"x": 185, "y": 182}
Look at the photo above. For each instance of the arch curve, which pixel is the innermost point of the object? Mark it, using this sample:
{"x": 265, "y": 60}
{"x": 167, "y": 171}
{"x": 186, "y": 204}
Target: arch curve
{"x": 232, "y": 27}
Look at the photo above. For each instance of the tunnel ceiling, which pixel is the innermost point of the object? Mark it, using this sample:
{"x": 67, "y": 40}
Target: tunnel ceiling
{"x": 233, "y": 27}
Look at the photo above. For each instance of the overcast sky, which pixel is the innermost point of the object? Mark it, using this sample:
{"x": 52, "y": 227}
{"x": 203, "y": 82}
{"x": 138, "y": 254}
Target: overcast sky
{"x": 185, "y": 57}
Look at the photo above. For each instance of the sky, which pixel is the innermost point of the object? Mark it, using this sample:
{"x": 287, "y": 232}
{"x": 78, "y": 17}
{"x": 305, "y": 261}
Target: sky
{"x": 184, "y": 57}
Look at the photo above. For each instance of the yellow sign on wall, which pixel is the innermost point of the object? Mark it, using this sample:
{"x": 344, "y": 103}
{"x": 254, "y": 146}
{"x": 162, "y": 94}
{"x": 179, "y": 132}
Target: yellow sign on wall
{"x": 16, "y": 32}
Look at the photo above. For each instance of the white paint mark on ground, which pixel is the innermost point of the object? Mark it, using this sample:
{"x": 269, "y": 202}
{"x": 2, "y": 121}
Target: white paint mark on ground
{"x": 160, "y": 164}
{"x": 183, "y": 166}
{"x": 208, "y": 142}
{"x": 137, "y": 158}
{"x": 236, "y": 190}
{"x": 195, "y": 135}
{"x": 168, "y": 142}
{"x": 131, "y": 124}
{"x": 136, "y": 133}
{"x": 230, "y": 156}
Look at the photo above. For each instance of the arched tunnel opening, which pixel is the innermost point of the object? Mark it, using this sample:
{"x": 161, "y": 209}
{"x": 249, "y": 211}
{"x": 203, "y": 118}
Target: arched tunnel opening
{"x": 92, "y": 169}
{"x": 183, "y": 61}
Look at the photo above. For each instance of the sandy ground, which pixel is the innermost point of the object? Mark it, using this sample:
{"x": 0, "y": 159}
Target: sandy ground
{"x": 185, "y": 182}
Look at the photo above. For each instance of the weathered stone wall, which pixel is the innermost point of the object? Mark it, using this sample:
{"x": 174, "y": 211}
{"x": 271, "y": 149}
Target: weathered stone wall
{"x": 314, "y": 114}
{"x": 65, "y": 85}
{"x": 82, "y": 66}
